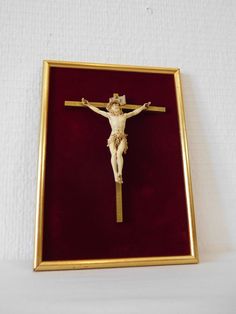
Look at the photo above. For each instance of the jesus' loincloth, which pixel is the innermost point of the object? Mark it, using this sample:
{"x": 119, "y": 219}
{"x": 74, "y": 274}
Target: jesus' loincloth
{"x": 116, "y": 138}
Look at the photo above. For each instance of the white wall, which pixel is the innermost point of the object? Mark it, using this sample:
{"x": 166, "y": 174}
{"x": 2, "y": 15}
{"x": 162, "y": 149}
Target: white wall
{"x": 196, "y": 36}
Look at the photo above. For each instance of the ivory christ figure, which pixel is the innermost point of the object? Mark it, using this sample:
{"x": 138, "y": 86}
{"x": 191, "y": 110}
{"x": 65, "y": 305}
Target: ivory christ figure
{"x": 117, "y": 142}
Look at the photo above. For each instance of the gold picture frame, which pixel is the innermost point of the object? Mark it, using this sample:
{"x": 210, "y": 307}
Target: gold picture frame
{"x": 39, "y": 263}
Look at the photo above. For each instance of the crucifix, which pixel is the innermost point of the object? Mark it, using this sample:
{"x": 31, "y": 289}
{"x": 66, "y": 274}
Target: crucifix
{"x": 117, "y": 142}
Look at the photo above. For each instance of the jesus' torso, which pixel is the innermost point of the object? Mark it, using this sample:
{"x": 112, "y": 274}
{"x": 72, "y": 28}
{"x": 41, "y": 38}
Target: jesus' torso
{"x": 117, "y": 123}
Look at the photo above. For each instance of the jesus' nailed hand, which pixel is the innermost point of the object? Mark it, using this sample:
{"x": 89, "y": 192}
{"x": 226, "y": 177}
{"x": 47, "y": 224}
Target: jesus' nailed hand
{"x": 117, "y": 142}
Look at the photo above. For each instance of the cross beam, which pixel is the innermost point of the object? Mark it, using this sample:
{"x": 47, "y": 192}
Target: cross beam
{"x": 103, "y": 105}
{"x": 119, "y": 205}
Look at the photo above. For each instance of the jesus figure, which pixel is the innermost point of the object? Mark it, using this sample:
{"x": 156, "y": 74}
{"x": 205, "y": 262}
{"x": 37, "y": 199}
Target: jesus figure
{"x": 117, "y": 142}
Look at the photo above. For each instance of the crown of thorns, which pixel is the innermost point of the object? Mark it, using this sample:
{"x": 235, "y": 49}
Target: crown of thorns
{"x": 120, "y": 100}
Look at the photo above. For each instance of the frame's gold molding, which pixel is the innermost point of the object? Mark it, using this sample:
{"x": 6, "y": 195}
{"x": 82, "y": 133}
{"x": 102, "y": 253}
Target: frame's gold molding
{"x": 186, "y": 166}
{"x": 41, "y": 167}
{"x": 111, "y": 67}
{"x": 116, "y": 262}
{"x": 39, "y": 264}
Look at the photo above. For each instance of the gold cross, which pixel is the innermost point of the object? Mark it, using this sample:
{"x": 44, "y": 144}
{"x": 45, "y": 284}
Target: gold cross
{"x": 119, "y": 206}
{"x": 103, "y": 105}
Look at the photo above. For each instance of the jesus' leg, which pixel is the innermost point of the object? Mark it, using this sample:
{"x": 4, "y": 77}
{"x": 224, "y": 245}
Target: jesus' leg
{"x": 120, "y": 160}
{"x": 113, "y": 160}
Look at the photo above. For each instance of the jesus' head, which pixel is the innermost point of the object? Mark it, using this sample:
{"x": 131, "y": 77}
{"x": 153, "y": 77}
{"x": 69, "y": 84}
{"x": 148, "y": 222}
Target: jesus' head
{"x": 114, "y": 107}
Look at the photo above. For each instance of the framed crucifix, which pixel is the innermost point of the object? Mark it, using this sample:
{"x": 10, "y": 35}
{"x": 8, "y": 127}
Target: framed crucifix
{"x": 114, "y": 183}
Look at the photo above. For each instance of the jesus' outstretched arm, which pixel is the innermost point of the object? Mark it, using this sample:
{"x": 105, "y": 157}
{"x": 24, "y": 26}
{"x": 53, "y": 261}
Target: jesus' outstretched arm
{"x": 138, "y": 110}
{"x": 95, "y": 109}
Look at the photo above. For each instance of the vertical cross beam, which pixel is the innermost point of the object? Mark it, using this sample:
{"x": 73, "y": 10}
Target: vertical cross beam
{"x": 119, "y": 204}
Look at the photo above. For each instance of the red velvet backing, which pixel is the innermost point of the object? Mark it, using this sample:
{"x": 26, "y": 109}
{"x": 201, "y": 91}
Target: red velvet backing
{"x": 79, "y": 205}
